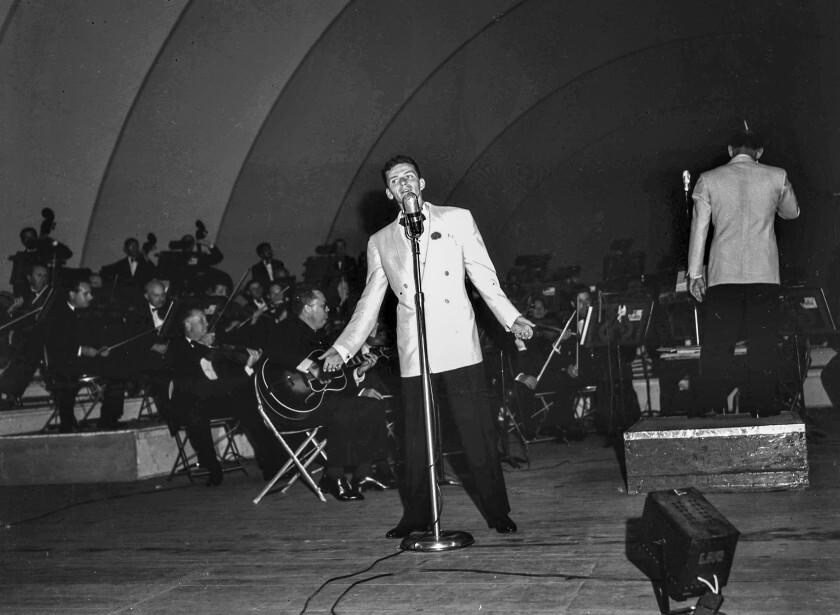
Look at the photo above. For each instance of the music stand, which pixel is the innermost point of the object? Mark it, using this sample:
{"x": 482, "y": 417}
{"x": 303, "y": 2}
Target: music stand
{"x": 621, "y": 322}
{"x": 807, "y": 308}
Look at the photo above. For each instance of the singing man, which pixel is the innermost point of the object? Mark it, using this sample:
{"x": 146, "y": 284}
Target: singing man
{"x": 451, "y": 248}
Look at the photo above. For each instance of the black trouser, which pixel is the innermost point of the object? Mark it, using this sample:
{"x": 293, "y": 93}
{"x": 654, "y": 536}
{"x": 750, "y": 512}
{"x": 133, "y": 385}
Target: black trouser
{"x": 733, "y": 312}
{"x": 66, "y": 386}
{"x": 354, "y": 428}
{"x": 465, "y": 390}
{"x": 228, "y": 397}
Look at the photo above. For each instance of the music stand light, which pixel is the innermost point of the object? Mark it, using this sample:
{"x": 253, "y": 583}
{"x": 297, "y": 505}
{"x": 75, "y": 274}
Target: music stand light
{"x": 689, "y": 547}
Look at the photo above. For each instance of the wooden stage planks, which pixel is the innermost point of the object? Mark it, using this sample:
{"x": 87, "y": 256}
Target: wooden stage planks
{"x": 156, "y": 547}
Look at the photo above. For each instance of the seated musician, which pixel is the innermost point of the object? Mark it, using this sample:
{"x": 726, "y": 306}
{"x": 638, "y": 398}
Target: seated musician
{"x": 268, "y": 269}
{"x": 546, "y": 363}
{"x": 41, "y": 250}
{"x": 214, "y": 383}
{"x": 354, "y": 419}
{"x": 25, "y": 342}
{"x": 73, "y": 348}
{"x": 132, "y": 271}
{"x": 149, "y": 327}
{"x": 278, "y": 304}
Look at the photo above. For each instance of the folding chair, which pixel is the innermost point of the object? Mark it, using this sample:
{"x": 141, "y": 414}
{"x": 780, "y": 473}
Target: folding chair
{"x": 546, "y": 401}
{"x": 148, "y": 407}
{"x": 584, "y": 402}
{"x": 299, "y": 458}
{"x": 89, "y": 397}
{"x": 230, "y": 457}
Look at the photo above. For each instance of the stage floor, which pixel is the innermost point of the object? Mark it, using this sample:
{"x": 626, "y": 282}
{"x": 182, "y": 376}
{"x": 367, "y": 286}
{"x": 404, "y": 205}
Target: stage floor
{"x": 158, "y": 547}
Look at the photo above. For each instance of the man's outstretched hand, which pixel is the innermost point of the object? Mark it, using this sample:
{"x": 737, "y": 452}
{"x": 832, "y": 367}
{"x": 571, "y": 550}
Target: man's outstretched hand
{"x": 332, "y": 360}
{"x": 522, "y": 328}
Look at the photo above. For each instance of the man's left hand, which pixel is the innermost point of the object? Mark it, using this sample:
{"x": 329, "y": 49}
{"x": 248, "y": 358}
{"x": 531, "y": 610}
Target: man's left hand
{"x": 522, "y": 328}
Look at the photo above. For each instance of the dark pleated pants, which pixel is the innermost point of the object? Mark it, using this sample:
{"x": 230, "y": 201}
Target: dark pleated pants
{"x": 467, "y": 399}
{"x": 733, "y": 312}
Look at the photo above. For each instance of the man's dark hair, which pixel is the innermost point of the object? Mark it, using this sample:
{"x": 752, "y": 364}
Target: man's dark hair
{"x": 399, "y": 159}
{"x": 73, "y": 283}
{"x": 303, "y": 296}
{"x": 261, "y": 247}
{"x": 746, "y": 139}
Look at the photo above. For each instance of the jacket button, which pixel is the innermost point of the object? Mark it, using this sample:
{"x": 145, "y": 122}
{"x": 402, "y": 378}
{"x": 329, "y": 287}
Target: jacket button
{"x": 446, "y": 300}
{"x": 445, "y": 273}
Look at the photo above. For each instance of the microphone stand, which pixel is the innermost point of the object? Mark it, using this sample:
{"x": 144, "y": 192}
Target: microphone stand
{"x": 437, "y": 540}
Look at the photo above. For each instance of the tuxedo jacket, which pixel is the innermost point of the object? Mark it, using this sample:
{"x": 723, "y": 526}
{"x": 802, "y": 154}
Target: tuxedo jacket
{"x": 189, "y": 377}
{"x": 120, "y": 272}
{"x": 451, "y": 248}
{"x": 260, "y": 273}
{"x": 291, "y": 341}
{"x": 62, "y": 338}
{"x": 741, "y": 199}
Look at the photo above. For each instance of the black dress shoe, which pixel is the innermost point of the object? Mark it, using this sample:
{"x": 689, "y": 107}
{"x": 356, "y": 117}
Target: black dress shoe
{"x": 214, "y": 479}
{"x": 404, "y": 529}
{"x": 108, "y": 425}
{"x": 504, "y": 525}
{"x": 340, "y": 489}
{"x": 368, "y": 483}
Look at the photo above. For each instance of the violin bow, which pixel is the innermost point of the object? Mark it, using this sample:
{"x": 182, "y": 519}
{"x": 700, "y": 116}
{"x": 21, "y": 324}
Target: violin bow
{"x": 218, "y": 315}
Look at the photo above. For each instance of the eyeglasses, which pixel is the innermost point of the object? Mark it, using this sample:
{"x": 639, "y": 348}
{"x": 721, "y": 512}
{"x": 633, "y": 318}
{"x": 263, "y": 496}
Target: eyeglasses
{"x": 318, "y": 304}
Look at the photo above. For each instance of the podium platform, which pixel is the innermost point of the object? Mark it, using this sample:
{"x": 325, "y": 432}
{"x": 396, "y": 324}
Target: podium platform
{"x": 731, "y": 452}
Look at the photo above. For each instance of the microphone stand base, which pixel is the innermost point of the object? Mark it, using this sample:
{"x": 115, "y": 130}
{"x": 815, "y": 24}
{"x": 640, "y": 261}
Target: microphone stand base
{"x": 446, "y": 541}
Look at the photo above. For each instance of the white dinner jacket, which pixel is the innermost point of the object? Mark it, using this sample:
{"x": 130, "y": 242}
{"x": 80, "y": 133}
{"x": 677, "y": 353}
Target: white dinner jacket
{"x": 451, "y": 247}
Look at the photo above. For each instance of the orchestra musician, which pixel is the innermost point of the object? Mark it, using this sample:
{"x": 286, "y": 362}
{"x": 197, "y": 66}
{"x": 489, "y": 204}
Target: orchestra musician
{"x": 268, "y": 269}
{"x": 354, "y": 419}
{"x": 151, "y": 321}
{"x": 208, "y": 382}
{"x": 72, "y": 350}
{"x": 26, "y": 342}
{"x": 553, "y": 361}
{"x": 133, "y": 270}
{"x": 36, "y": 250}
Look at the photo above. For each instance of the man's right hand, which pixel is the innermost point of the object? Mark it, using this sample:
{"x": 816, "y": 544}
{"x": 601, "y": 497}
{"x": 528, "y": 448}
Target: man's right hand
{"x": 332, "y": 360}
{"x": 698, "y": 288}
{"x": 528, "y": 380}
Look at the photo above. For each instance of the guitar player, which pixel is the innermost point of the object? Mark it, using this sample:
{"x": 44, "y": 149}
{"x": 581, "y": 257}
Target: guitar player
{"x": 354, "y": 419}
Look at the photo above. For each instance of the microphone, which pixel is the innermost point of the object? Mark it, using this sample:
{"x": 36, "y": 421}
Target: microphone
{"x": 413, "y": 217}
{"x": 686, "y": 181}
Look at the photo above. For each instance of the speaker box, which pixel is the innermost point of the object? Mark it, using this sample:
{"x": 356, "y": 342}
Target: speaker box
{"x": 686, "y": 537}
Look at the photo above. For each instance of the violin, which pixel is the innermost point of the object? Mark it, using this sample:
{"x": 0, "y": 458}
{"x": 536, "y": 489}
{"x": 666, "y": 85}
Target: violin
{"x": 232, "y": 352}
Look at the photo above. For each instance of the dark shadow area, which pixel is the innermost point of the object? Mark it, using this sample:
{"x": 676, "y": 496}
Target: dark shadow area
{"x": 375, "y": 211}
